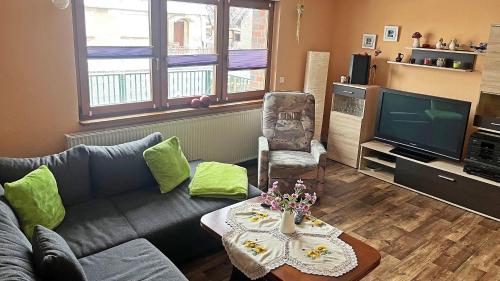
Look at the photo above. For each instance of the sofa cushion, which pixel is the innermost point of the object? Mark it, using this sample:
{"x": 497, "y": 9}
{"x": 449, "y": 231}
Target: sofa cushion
{"x": 54, "y": 260}
{"x": 172, "y": 220}
{"x": 94, "y": 226}
{"x": 131, "y": 261}
{"x": 167, "y": 163}
{"x": 118, "y": 168}
{"x": 70, "y": 168}
{"x": 36, "y": 200}
{"x": 292, "y": 164}
{"x": 15, "y": 249}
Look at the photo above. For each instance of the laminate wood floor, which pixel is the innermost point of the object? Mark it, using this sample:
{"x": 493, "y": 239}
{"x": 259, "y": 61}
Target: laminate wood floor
{"x": 419, "y": 238}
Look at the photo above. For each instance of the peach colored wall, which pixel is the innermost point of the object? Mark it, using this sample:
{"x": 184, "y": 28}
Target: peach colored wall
{"x": 464, "y": 20}
{"x": 38, "y": 96}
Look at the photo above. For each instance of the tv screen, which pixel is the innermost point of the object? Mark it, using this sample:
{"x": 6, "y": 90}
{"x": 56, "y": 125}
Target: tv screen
{"x": 426, "y": 123}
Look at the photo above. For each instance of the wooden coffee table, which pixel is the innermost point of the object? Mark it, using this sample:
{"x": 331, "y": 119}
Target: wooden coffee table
{"x": 368, "y": 257}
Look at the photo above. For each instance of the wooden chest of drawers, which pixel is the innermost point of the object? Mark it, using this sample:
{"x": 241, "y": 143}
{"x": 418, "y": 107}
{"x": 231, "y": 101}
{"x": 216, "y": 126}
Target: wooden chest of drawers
{"x": 352, "y": 121}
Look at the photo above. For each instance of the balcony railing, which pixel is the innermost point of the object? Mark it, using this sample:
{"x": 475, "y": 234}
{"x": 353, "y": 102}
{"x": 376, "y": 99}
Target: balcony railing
{"x": 131, "y": 87}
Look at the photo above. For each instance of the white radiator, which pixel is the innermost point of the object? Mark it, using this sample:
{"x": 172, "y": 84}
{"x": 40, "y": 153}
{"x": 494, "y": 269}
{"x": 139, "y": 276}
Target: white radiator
{"x": 229, "y": 137}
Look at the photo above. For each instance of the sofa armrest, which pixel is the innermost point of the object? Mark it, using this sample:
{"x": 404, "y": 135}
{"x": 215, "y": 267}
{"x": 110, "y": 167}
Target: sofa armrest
{"x": 263, "y": 163}
{"x": 319, "y": 152}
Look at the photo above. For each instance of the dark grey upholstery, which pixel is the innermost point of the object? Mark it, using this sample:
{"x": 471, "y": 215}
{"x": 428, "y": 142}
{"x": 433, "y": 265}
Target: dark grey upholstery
{"x": 54, "y": 260}
{"x": 132, "y": 261}
{"x": 70, "y": 168}
{"x": 173, "y": 219}
{"x": 111, "y": 199}
{"x": 16, "y": 259}
{"x": 119, "y": 168}
{"x": 94, "y": 226}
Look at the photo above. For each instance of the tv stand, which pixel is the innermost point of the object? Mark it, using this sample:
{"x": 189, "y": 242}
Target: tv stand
{"x": 440, "y": 179}
{"x": 413, "y": 154}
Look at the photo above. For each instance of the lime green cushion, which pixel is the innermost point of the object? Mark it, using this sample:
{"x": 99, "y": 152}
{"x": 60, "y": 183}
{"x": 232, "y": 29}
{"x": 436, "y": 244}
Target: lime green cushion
{"x": 213, "y": 179}
{"x": 36, "y": 200}
{"x": 167, "y": 163}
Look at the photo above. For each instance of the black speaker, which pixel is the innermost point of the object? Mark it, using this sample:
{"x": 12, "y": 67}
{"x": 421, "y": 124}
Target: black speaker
{"x": 359, "y": 70}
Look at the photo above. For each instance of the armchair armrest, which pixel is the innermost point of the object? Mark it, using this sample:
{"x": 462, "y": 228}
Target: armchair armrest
{"x": 318, "y": 151}
{"x": 263, "y": 163}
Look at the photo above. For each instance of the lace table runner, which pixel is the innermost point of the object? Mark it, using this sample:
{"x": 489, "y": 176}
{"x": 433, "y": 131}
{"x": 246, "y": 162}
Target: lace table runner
{"x": 256, "y": 246}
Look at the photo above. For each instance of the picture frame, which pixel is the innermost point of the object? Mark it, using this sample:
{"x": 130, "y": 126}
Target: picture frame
{"x": 391, "y": 33}
{"x": 369, "y": 41}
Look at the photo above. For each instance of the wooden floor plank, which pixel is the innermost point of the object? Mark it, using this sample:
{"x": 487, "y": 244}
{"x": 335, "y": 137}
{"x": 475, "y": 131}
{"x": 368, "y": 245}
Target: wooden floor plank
{"x": 419, "y": 238}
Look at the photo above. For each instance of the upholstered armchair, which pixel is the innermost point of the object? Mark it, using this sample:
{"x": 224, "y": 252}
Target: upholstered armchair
{"x": 287, "y": 151}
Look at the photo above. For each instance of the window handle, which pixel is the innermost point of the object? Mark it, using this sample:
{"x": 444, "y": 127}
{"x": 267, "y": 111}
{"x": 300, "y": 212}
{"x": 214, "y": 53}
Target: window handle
{"x": 157, "y": 61}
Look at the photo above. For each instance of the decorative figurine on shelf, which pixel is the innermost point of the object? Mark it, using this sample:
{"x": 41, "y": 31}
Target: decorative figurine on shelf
{"x": 416, "y": 39}
{"x": 205, "y": 101}
{"x": 426, "y": 46}
{"x": 453, "y": 45}
{"x": 441, "y": 62}
{"x": 195, "y": 103}
{"x": 412, "y": 60}
{"x": 440, "y": 44}
{"x": 400, "y": 57}
{"x": 481, "y": 48}
{"x": 427, "y": 61}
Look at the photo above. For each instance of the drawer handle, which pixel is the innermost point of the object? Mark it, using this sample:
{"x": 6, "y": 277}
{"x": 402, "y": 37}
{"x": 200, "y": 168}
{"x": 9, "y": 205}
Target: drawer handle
{"x": 446, "y": 178}
{"x": 347, "y": 92}
{"x": 495, "y": 124}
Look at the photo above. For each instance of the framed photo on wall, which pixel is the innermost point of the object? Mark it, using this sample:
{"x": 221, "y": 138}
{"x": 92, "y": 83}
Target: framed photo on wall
{"x": 369, "y": 41}
{"x": 391, "y": 33}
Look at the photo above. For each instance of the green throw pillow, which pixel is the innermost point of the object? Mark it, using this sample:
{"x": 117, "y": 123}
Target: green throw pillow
{"x": 167, "y": 163}
{"x": 36, "y": 200}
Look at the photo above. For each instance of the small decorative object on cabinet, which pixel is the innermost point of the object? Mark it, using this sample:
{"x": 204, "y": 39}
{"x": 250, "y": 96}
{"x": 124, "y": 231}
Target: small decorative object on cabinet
{"x": 457, "y": 64}
{"x": 352, "y": 121}
{"x": 488, "y": 108}
{"x": 344, "y": 79}
{"x": 400, "y": 57}
{"x": 416, "y": 39}
{"x": 481, "y": 48}
{"x": 427, "y": 61}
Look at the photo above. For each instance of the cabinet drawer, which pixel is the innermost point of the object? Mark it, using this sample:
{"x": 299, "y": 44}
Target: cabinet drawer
{"x": 346, "y": 90}
{"x": 463, "y": 191}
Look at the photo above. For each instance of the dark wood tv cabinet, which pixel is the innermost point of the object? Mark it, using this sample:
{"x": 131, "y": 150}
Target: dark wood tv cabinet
{"x": 441, "y": 179}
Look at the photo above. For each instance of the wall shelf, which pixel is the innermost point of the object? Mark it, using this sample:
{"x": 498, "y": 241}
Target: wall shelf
{"x": 446, "y": 51}
{"x": 429, "y": 66}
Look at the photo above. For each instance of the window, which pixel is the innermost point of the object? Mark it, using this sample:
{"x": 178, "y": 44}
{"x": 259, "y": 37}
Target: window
{"x": 146, "y": 55}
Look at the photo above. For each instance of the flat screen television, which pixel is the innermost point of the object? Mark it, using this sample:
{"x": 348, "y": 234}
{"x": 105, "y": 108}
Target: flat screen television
{"x": 422, "y": 126}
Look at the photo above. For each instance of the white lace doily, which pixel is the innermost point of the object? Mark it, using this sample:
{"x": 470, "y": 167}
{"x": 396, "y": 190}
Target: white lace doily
{"x": 256, "y": 246}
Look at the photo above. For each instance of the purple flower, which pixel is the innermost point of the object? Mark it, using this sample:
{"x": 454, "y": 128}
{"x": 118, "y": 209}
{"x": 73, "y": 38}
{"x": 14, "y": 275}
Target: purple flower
{"x": 292, "y": 205}
{"x": 286, "y": 196}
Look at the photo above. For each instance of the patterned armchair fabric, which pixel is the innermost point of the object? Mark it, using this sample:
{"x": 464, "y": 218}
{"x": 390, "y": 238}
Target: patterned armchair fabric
{"x": 287, "y": 151}
{"x": 288, "y": 121}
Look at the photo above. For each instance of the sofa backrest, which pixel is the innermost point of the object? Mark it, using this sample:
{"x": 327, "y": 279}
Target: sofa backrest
{"x": 70, "y": 168}
{"x": 16, "y": 254}
{"x": 120, "y": 168}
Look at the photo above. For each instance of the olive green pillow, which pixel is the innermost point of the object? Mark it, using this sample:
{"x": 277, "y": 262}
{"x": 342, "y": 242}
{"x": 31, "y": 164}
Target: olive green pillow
{"x": 36, "y": 200}
{"x": 167, "y": 163}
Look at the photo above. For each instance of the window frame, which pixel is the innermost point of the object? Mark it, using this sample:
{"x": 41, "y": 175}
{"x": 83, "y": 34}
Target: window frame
{"x": 158, "y": 60}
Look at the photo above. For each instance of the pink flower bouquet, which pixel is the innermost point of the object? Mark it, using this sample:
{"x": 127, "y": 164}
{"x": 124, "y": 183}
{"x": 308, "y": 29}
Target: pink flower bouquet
{"x": 298, "y": 201}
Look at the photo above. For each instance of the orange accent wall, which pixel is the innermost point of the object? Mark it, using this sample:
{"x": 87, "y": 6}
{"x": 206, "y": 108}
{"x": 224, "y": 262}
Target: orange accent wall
{"x": 461, "y": 19}
{"x": 38, "y": 94}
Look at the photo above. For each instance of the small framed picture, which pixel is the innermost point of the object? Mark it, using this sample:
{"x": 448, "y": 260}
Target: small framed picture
{"x": 391, "y": 33}
{"x": 369, "y": 41}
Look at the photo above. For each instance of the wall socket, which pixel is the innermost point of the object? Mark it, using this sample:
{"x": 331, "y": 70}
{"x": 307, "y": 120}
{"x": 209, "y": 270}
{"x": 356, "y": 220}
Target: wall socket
{"x": 282, "y": 79}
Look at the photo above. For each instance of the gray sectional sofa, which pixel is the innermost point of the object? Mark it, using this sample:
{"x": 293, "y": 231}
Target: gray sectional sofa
{"x": 117, "y": 223}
